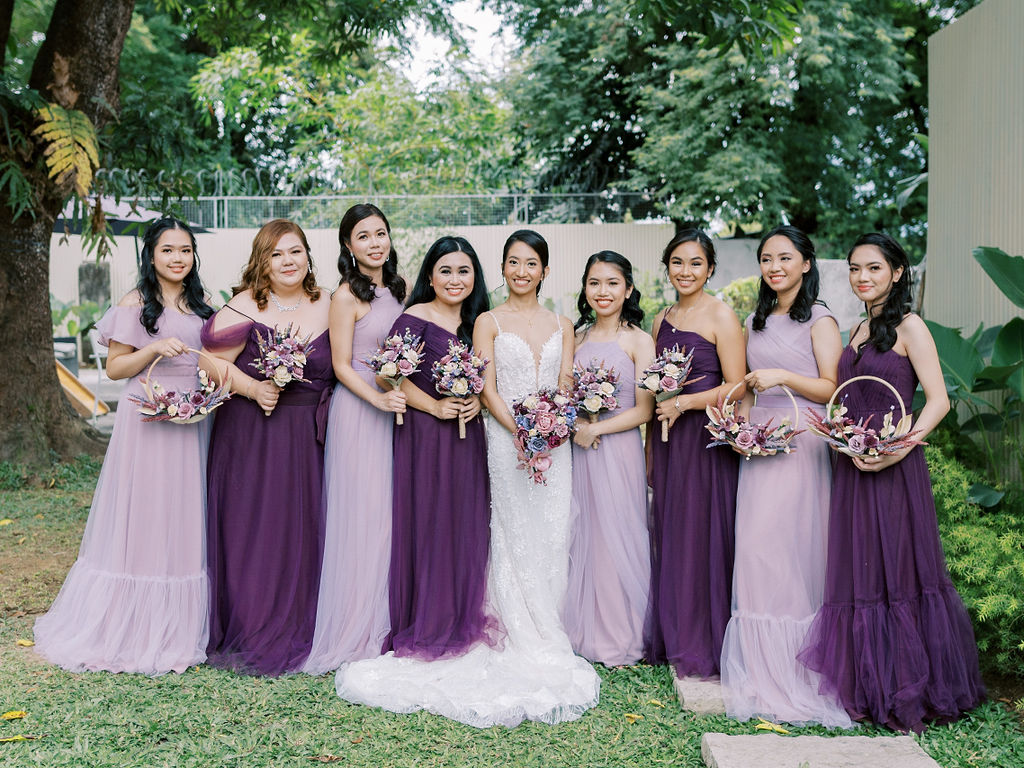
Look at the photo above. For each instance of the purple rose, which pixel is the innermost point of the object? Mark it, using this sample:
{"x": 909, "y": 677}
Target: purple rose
{"x": 744, "y": 439}
{"x": 669, "y": 384}
{"x": 856, "y": 444}
{"x": 405, "y": 367}
{"x": 186, "y": 410}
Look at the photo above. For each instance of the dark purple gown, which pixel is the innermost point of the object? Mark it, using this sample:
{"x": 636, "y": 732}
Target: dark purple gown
{"x": 693, "y": 509}
{"x": 440, "y": 522}
{"x": 265, "y": 516}
{"x": 893, "y": 638}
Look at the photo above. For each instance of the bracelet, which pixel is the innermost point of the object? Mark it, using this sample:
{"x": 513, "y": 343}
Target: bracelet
{"x": 248, "y": 389}
{"x": 677, "y": 405}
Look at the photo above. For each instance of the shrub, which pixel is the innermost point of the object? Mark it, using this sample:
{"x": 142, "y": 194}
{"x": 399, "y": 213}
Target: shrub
{"x": 985, "y": 554}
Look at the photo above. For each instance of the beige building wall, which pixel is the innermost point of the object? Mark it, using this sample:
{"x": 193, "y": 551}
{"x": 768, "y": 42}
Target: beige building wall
{"x": 975, "y": 161}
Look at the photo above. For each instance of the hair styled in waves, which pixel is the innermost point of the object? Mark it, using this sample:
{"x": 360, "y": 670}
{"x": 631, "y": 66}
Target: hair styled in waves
{"x": 631, "y": 313}
{"x": 148, "y": 285}
{"x": 473, "y": 305}
{"x": 361, "y": 285}
{"x": 807, "y": 297}
{"x": 256, "y": 275}
{"x": 882, "y": 327}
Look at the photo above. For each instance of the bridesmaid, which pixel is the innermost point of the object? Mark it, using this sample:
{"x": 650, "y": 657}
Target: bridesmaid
{"x": 694, "y": 489}
{"x": 782, "y": 501}
{"x": 352, "y": 611}
{"x": 609, "y": 554}
{"x": 441, "y": 507}
{"x": 136, "y": 598}
{"x": 893, "y": 638}
{"x": 265, "y": 520}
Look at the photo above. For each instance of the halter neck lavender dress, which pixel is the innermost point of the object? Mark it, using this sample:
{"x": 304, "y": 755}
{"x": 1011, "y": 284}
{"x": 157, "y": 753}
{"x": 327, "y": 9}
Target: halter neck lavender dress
{"x": 609, "y": 552}
{"x": 352, "y": 611}
{"x": 265, "y": 516}
{"x": 692, "y": 513}
{"x": 893, "y": 639}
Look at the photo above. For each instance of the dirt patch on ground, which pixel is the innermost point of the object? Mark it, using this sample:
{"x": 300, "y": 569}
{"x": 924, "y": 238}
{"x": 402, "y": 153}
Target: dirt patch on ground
{"x": 30, "y": 579}
{"x": 1007, "y": 691}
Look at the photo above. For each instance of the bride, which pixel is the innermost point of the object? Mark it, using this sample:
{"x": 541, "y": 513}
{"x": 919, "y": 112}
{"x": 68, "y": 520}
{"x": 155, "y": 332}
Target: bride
{"x": 535, "y": 675}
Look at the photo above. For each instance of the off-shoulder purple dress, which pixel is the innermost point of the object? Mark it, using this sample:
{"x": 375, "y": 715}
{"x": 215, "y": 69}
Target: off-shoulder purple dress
{"x": 440, "y": 524}
{"x": 136, "y": 598}
{"x": 692, "y": 514}
{"x": 265, "y": 515}
{"x": 893, "y": 638}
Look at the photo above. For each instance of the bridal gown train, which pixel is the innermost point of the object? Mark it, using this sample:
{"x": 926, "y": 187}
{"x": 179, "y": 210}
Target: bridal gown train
{"x": 535, "y": 675}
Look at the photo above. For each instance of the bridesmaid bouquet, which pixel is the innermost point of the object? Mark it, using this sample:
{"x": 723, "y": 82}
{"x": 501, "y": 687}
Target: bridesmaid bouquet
{"x": 595, "y": 389}
{"x": 460, "y": 373}
{"x": 544, "y": 421}
{"x": 185, "y": 407}
{"x": 667, "y": 376}
{"x": 282, "y": 357}
{"x": 727, "y": 428}
{"x": 398, "y": 357}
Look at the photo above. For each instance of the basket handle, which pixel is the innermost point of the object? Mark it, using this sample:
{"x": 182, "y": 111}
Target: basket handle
{"x": 149, "y": 371}
{"x": 783, "y": 387}
{"x": 832, "y": 400}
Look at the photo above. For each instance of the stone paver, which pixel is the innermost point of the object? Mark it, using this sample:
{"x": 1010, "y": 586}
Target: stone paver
{"x": 703, "y": 697}
{"x": 769, "y": 750}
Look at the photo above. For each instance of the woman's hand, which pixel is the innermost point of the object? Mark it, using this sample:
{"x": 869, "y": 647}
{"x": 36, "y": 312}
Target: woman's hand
{"x": 878, "y": 463}
{"x": 447, "y": 408}
{"x": 586, "y": 434}
{"x": 766, "y": 378}
{"x": 264, "y": 394}
{"x": 391, "y": 401}
{"x": 171, "y": 347}
{"x": 470, "y": 407}
{"x": 671, "y": 409}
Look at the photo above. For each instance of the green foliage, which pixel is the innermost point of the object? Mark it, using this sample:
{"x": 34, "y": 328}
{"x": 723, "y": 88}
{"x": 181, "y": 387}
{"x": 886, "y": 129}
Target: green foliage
{"x": 12, "y": 476}
{"x": 741, "y": 295}
{"x": 75, "y": 318}
{"x": 1006, "y": 271}
{"x": 656, "y": 293}
{"x": 985, "y": 554}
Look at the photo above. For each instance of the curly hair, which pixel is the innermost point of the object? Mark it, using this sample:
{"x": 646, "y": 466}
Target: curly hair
{"x": 256, "y": 275}
{"x": 361, "y": 285}
{"x": 807, "y": 297}
{"x": 882, "y": 327}
{"x": 631, "y": 313}
{"x": 148, "y": 284}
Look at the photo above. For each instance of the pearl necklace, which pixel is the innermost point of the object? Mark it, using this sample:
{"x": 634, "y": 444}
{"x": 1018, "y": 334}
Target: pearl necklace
{"x": 281, "y": 307}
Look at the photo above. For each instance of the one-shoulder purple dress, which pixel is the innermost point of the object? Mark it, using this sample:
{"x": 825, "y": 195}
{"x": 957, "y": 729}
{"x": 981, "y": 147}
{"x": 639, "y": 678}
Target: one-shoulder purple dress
{"x": 693, "y": 508}
{"x": 265, "y": 516}
{"x": 440, "y": 523}
{"x": 893, "y": 638}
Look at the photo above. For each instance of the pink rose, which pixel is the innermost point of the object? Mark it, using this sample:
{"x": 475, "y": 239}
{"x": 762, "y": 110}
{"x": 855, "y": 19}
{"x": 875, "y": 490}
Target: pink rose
{"x": 744, "y": 439}
{"x": 405, "y": 367}
{"x": 186, "y": 410}
{"x": 562, "y": 430}
{"x": 856, "y": 444}
{"x": 669, "y": 384}
{"x": 545, "y": 421}
{"x": 541, "y": 462}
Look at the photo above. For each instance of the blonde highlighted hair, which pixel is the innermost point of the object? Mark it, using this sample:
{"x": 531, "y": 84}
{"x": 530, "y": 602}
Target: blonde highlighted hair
{"x": 256, "y": 275}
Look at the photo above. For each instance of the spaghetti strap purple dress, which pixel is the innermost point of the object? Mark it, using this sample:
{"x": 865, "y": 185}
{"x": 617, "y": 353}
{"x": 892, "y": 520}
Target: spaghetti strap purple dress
{"x": 893, "y": 639}
{"x": 440, "y": 522}
{"x": 265, "y": 516}
{"x": 692, "y": 514}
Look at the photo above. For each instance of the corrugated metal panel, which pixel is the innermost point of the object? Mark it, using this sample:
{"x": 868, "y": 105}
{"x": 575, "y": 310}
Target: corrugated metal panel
{"x": 976, "y": 160}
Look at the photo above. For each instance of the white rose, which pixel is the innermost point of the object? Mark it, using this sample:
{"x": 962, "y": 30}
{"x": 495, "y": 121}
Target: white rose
{"x": 607, "y": 388}
{"x": 592, "y": 404}
{"x": 389, "y": 370}
{"x": 460, "y": 387}
{"x": 652, "y": 382}
{"x": 281, "y": 376}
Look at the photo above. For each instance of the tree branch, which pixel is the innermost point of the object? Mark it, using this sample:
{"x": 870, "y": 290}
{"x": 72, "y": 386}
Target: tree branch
{"x": 6, "y": 14}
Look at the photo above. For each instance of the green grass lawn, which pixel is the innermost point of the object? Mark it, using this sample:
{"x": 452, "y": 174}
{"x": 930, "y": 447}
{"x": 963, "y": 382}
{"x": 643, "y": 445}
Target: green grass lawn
{"x": 208, "y": 717}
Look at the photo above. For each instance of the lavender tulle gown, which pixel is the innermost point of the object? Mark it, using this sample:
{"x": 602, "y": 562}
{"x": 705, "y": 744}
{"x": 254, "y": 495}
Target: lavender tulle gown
{"x": 782, "y": 506}
{"x": 893, "y": 638}
{"x": 352, "y": 611}
{"x": 136, "y": 598}
{"x": 441, "y": 522}
{"x": 609, "y": 553}
{"x": 692, "y": 514}
{"x": 265, "y": 516}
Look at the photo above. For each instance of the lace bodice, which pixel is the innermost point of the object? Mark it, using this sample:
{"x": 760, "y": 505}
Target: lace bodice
{"x": 516, "y": 369}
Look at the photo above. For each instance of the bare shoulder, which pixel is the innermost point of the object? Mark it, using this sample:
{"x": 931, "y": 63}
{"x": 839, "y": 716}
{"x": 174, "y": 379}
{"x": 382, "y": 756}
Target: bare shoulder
{"x": 418, "y": 310}
{"x": 566, "y": 325}
{"x": 913, "y": 329}
{"x": 131, "y": 299}
{"x": 485, "y": 323}
{"x": 724, "y": 314}
{"x": 637, "y": 340}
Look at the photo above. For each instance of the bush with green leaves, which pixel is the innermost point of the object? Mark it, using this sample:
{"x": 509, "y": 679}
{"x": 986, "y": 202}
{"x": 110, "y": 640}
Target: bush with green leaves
{"x": 985, "y": 554}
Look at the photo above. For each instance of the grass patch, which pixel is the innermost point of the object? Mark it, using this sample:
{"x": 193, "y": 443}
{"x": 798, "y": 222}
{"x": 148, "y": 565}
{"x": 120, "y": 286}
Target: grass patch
{"x": 209, "y": 717}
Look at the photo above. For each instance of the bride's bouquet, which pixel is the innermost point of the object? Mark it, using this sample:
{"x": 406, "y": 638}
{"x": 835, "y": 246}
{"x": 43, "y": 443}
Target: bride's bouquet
{"x": 596, "y": 389}
{"x": 544, "y": 421}
{"x": 398, "y": 357}
{"x": 667, "y": 376}
{"x": 460, "y": 373}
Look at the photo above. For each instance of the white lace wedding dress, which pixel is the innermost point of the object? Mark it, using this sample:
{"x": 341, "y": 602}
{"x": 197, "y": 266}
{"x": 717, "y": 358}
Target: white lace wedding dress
{"x": 535, "y": 675}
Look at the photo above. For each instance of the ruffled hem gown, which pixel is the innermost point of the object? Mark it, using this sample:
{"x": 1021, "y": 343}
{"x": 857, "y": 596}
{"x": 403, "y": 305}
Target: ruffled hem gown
{"x": 136, "y": 598}
{"x": 782, "y": 505}
{"x": 893, "y": 639}
{"x": 265, "y": 515}
{"x": 609, "y": 553}
{"x": 352, "y": 611}
{"x": 692, "y": 515}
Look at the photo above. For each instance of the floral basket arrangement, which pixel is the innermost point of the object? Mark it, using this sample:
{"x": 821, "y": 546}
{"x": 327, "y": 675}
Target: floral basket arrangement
{"x": 595, "y": 390}
{"x": 544, "y": 421}
{"x": 858, "y": 438}
{"x": 185, "y": 407}
{"x": 667, "y": 376}
{"x": 397, "y": 358}
{"x": 460, "y": 373}
{"x": 282, "y": 357}
{"x": 745, "y": 437}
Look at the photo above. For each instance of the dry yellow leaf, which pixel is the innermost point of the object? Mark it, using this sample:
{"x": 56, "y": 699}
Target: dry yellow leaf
{"x": 24, "y": 643}
{"x": 632, "y": 717}
{"x": 656, "y": 703}
{"x": 14, "y": 714}
{"x": 6, "y": 521}
{"x": 19, "y": 737}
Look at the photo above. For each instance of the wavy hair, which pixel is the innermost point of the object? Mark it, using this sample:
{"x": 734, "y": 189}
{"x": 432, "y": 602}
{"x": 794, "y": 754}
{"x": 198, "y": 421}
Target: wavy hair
{"x": 256, "y": 275}
{"x": 473, "y": 305}
{"x": 807, "y": 296}
{"x": 882, "y": 327}
{"x": 698, "y": 236}
{"x": 631, "y": 313}
{"x": 361, "y": 285}
{"x": 148, "y": 285}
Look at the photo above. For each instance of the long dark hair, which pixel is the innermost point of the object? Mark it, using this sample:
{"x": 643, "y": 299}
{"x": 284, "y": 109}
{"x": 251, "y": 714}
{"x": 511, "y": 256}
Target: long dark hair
{"x": 807, "y": 297}
{"x": 148, "y": 285}
{"x": 631, "y": 313}
{"x": 361, "y": 285}
{"x": 882, "y": 327}
{"x": 256, "y": 274}
{"x": 698, "y": 236}
{"x": 473, "y": 305}
{"x": 531, "y": 239}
